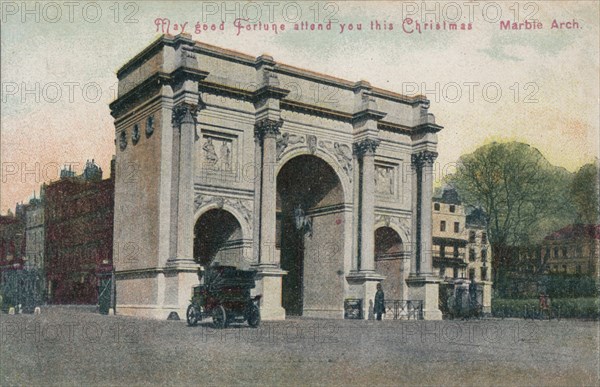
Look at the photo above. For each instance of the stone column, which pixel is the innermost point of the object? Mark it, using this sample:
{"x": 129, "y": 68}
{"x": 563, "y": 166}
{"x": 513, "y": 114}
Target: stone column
{"x": 415, "y": 245}
{"x": 423, "y": 285}
{"x": 365, "y": 151}
{"x": 184, "y": 117}
{"x": 269, "y": 273}
{"x": 362, "y": 282}
{"x": 267, "y": 130}
{"x": 181, "y": 270}
{"x": 257, "y": 169}
{"x": 427, "y": 157}
{"x": 422, "y": 187}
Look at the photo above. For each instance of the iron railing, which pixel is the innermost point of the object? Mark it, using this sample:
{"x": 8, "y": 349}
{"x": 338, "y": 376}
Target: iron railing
{"x": 403, "y": 309}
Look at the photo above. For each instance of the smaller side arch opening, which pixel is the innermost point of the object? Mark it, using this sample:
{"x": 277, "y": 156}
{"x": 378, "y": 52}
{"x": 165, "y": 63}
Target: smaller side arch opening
{"x": 389, "y": 256}
{"x": 218, "y": 239}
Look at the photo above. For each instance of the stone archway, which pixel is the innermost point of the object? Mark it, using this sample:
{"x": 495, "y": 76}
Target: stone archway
{"x": 389, "y": 256}
{"x": 310, "y": 235}
{"x": 218, "y": 238}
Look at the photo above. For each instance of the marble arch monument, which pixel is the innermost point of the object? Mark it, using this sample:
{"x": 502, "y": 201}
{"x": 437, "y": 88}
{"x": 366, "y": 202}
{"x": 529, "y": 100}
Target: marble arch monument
{"x": 225, "y": 157}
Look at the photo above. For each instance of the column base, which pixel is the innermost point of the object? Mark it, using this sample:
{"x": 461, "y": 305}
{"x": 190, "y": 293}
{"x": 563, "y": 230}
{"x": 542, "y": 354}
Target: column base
{"x": 426, "y": 289}
{"x": 184, "y": 264}
{"x": 268, "y": 285}
{"x": 363, "y": 285}
{"x": 154, "y": 312}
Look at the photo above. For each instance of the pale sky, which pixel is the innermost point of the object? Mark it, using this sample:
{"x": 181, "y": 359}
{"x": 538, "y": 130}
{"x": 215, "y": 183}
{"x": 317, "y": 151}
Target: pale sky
{"x": 59, "y": 72}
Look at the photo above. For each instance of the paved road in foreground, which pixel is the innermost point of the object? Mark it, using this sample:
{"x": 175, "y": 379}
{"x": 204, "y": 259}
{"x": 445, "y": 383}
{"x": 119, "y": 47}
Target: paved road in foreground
{"x": 70, "y": 346}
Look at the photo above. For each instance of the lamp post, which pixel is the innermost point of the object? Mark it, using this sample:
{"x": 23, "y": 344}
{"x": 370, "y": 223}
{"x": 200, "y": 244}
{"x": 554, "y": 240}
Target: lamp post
{"x": 303, "y": 223}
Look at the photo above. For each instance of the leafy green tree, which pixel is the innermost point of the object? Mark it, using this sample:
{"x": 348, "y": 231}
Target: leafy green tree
{"x": 523, "y": 195}
{"x": 584, "y": 194}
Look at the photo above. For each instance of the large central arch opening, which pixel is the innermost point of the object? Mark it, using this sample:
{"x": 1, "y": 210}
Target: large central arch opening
{"x": 310, "y": 235}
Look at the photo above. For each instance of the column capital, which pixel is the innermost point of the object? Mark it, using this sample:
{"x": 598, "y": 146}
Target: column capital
{"x": 184, "y": 114}
{"x": 423, "y": 158}
{"x": 366, "y": 147}
{"x": 267, "y": 127}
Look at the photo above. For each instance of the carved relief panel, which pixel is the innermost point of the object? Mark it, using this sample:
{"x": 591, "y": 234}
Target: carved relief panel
{"x": 386, "y": 180}
{"x": 217, "y": 156}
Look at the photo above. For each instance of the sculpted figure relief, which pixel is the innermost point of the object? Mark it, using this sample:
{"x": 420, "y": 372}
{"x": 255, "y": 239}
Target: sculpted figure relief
{"x": 225, "y": 156}
{"x": 287, "y": 139}
{"x": 384, "y": 180}
{"x": 210, "y": 156}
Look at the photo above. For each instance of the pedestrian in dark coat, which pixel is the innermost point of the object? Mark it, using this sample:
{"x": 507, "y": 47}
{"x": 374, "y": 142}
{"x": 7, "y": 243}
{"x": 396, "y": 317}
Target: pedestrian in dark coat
{"x": 379, "y": 307}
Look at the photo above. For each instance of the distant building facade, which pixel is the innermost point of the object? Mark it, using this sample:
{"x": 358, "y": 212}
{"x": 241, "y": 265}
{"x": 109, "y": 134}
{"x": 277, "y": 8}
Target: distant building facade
{"x": 12, "y": 239}
{"x": 479, "y": 250}
{"x": 449, "y": 237}
{"x": 35, "y": 232}
{"x": 79, "y": 234}
{"x": 21, "y": 278}
{"x": 574, "y": 249}
{"x": 461, "y": 249}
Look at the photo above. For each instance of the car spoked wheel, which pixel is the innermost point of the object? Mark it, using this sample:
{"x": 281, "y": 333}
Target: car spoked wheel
{"x": 192, "y": 315}
{"x": 254, "y": 316}
{"x": 219, "y": 317}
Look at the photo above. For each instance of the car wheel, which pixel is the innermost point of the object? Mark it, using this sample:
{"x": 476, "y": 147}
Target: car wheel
{"x": 192, "y": 315}
{"x": 219, "y": 317}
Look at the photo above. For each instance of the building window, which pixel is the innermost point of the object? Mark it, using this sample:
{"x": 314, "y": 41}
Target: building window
{"x": 442, "y": 251}
{"x": 471, "y": 255}
{"x": 455, "y": 251}
{"x": 555, "y": 251}
{"x": 484, "y": 273}
{"x": 455, "y": 272}
{"x": 456, "y": 227}
{"x": 564, "y": 267}
{"x": 452, "y": 208}
{"x": 471, "y": 274}
{"x": 564, "y": 251}
{"x": 483, "y": 238}
{"x": 547, "y": 255}
{"x": 578, "y": 269}
{"x": 471, "y": 236}
{"x": 436, "y": 206}
{"x": 443, "y": 225}
{"x": 483, "y": 255}
{"x": 442, "y": 272}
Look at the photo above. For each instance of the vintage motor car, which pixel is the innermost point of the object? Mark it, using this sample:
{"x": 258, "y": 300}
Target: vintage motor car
{"x": 224, "y": 296}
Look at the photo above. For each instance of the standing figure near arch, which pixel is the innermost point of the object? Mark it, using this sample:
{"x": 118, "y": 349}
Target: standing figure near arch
{"x": 379, "y": 307}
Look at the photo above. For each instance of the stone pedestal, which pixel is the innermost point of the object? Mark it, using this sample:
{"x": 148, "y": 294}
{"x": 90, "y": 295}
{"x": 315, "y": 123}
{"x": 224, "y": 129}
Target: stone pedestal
{"x": 156, "y": 293}
{"x": 183, "y": 278}
{"x": 363, "y": 285}
{"x": 426, "y": 288}
{"x": 268, "y": 285}
{"x": 487, "y": 296}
